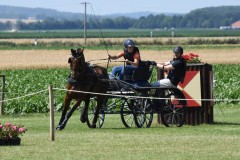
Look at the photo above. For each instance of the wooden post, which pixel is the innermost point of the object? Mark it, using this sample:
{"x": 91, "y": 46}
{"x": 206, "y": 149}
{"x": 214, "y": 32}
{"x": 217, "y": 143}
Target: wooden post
{"x": 51, "y": 105}
{"x": 85, "y": 21}
{"x": 2, "y": 95}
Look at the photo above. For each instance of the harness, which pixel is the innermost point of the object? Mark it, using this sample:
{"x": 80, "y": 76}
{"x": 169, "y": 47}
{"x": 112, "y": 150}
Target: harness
{"x": 88, "y": 77}
{"x": 83, "y": 75}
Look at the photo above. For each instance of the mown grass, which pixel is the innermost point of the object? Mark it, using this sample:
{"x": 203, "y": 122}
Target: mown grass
{"x": 113, "y": 141}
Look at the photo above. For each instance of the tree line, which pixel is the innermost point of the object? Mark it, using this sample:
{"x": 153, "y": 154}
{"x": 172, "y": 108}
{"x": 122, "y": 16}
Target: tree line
{"x": 211, "y": 17}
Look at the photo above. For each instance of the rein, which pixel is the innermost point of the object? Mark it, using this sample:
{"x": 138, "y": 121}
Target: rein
{"x": 104, "y": 59}
{"x": 98, "y": 60}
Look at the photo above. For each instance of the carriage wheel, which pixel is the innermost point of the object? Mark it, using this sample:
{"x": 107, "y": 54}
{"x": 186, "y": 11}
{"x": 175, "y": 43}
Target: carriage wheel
{"x": 127, "y": 113}
{"x": 91, "y": 111}
{"x": 173, "y": 111}
{"x": 143, "y": 113}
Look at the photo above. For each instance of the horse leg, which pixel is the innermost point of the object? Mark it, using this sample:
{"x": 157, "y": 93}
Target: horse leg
{"x": 69, "y": 114}
{"x": 100, "y": 101}
{"x": 67, "y": 102}
{"x": 83, "y": 117}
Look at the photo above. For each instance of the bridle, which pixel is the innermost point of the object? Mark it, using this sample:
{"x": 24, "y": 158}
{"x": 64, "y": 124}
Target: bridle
{"x": 77, "y": 70}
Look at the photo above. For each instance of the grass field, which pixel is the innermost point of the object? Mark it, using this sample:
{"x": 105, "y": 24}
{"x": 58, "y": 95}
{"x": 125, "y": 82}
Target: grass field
{"x": 119, "y": 33}
{"x": 115, "y": 40}
{"x": 113, "y": 141}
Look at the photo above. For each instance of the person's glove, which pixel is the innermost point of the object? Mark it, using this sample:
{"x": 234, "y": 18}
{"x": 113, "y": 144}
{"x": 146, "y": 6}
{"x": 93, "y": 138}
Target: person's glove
{"x": 153, "y": 63}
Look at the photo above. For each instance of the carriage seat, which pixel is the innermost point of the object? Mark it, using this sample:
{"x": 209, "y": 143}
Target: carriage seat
{"x": 141, "y": 73}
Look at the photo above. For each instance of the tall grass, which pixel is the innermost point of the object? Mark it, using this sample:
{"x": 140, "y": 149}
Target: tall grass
{"x": 155, "y": 44}
{"x": 226, "y": 86}
{"x": 26, "y": 81}
{"x": 120, "y": 33}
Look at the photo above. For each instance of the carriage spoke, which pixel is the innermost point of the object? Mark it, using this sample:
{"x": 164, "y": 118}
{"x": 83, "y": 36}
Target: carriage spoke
{"x": 129, "y": 118}
{"x": 91, "y": 112}
{"x": 91, "y": 117}
{"x": 127, "y": 114}
{"x": 173, "y": 113}
{"x": 143, "y": 113}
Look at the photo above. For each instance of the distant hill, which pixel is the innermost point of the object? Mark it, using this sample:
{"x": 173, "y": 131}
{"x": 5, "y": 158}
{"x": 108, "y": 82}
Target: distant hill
{"x": 209, "y": 17}
{"x": 131, "y": 15}
{"x": 138, "y": 14}
{"x": 13, "y": 12}
{"x": 213, "y": 17}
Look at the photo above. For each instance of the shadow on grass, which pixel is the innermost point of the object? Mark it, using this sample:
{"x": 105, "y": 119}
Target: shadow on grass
{"x": 162, "y": 126}
{"x": 226, "y": 123}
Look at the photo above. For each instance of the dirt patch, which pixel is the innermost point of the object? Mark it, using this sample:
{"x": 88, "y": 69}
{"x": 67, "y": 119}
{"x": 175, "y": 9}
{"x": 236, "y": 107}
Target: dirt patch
{"x": 53, "y": 59}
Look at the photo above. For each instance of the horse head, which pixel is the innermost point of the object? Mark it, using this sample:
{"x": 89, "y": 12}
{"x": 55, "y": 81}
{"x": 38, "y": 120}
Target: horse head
{"x": 77, "y": 63}
{"x": 78, "y": 53}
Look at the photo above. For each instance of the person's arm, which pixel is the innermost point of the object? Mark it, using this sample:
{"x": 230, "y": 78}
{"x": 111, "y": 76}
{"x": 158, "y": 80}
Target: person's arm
{"x": 168, "y": 67}
{"x": 115, "y": 57}
{"x": 136, "y": 60}
{"x": 135, "y": 63}
{"x": 165, "y": 66}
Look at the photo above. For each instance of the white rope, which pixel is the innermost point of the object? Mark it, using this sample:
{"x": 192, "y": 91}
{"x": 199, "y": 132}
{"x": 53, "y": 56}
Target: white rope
{"x": 106, "y": 94}
{"x": 31, "y": 94}
{"x": 137, "y": 97}
{"x": 122, "y": 96}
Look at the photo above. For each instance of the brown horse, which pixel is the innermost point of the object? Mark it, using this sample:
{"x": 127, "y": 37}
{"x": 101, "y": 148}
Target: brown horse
{"x": 86, "y": 78}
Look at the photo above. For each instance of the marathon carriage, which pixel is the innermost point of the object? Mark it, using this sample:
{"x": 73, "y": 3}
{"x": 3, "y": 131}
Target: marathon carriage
{"x": 136, "y": 101}
{"x": 133, "y": 98}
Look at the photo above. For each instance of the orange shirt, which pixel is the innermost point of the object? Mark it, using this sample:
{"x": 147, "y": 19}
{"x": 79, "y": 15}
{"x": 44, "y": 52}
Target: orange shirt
{"x": 135, "y": 56}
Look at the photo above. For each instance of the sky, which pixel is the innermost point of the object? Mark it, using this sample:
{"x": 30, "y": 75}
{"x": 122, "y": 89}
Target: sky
{"x": 104, "y": 7}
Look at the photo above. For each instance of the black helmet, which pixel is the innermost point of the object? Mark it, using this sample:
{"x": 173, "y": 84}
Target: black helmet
{"x": 129, "y": 43}
{"x": 178, "y": 49}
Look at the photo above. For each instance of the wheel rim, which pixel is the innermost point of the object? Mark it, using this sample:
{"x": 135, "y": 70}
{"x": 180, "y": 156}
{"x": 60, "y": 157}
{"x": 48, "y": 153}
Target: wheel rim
{"x": 143, "y": 113}
{"x": 127, "y": 115}
{"x": 91, "y": 112}
{"x": 173, "y": 113}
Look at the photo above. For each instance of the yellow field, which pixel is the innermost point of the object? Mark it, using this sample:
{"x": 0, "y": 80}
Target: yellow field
{"x": 49, "y": 58}
{"x": 117, "y": 40}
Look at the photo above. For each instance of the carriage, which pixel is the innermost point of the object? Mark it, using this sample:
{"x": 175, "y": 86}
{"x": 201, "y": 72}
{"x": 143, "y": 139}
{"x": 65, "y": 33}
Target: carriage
{"x": 136, "y": 101}
{"x": 133, "y": 98}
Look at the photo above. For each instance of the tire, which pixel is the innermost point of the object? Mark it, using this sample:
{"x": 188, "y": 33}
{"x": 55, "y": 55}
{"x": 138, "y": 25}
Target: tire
{"x": 90, "y": 114}
{"x": 126, "y": 113}
{"x": 143, "y": 113}
{"x": 173, "y": 110}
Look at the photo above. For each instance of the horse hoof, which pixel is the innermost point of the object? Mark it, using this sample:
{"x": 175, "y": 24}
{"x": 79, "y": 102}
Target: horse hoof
{"x": 83, "y": 120}
{"x": 60, "y": 127}
{"x": 94, "y": 125}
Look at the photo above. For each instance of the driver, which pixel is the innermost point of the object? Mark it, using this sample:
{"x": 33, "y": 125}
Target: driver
{"x": 132, "y": 58}
{"x": 176, "y": 69}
